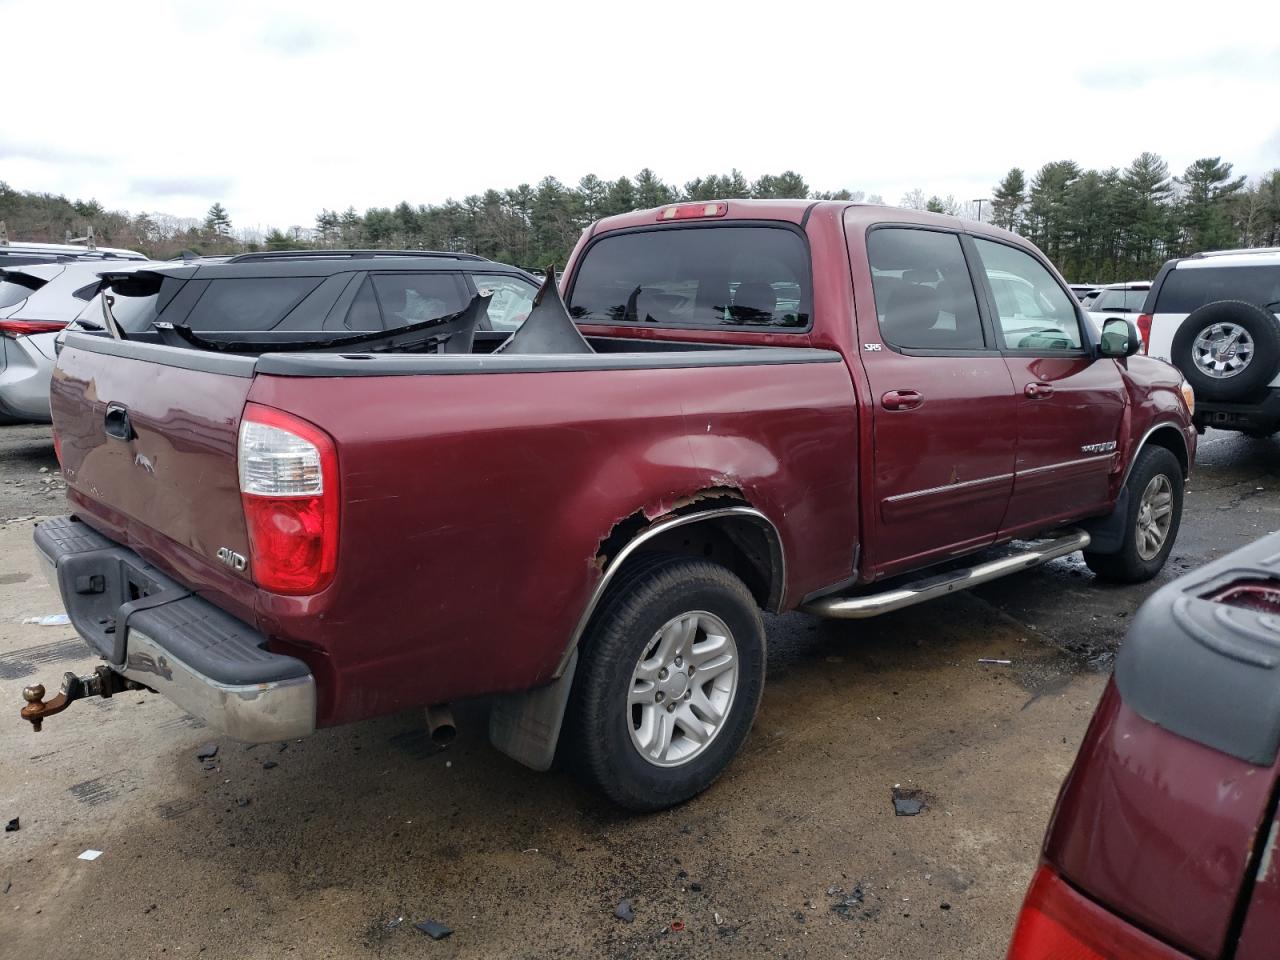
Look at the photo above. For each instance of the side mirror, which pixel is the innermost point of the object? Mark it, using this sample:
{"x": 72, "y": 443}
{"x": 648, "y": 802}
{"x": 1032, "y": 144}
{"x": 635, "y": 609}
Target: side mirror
{"x": 1119, "y": 338}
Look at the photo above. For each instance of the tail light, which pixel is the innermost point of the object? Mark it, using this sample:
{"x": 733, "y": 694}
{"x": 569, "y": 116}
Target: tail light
{"x": 1144, "y": 330}
{"x": 25, "y": 328}
{"x": 1057, "y": 923}
{"x": 289, "y": 486}
{"x": 693, "y": 211}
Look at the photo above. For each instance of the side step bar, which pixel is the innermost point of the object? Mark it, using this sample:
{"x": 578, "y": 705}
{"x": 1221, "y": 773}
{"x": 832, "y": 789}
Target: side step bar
{"x": 874, "y": 604}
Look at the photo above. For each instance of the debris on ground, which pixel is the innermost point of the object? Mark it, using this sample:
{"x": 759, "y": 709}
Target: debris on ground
{"x": 8, "y": 885}
{"x": 907, "y": 803}
{"x": 944, "y": 905}
{"x": 270, "y": 765}
{"x": 624, "y": 911}
{"x": 436, "y": 931}
{"x": 11, "y": 826}
{"x": 50, "y": 620}
{"x": 719, "y": 919}
{"x": 243, "y": 801}
{"x": 677, "y": 926}
{"x": 90, "y": 855}
{"x": 207, "y": 752}
{"x": 1001, "y": 663}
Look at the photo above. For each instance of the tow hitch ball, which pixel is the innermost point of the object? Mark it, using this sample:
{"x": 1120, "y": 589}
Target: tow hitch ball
{"x": 103, "y": 682}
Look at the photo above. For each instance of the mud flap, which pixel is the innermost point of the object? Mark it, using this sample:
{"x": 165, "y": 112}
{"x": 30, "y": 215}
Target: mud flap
{"x": 1106, "y": 534}
{"x": 526, "y": 726}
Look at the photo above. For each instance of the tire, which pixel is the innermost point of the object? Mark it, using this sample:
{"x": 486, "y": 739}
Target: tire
{"x": 1251, "y": 360}
{"x": 651, "y": 603}
{"x": 1156, "y": 476}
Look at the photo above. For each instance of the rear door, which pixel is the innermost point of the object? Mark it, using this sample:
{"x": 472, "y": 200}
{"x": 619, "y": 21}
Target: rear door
{"x": 1070, "y": 403}
{"x": 944, "y": 416}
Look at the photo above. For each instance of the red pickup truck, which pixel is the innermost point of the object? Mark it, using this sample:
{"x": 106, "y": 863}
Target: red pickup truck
{"x": 758, "y": 405}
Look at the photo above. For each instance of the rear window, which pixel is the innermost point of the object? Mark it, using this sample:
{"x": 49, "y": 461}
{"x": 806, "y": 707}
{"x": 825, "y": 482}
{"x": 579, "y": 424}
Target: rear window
{"x": 249, "y": 303}
{"x": 136, "y": 299}
{"x": 696, "y": 277}
{"x": 1126, "y": 301}
{"x": 16, "y": 287}
{"x": 1189, "y": 288}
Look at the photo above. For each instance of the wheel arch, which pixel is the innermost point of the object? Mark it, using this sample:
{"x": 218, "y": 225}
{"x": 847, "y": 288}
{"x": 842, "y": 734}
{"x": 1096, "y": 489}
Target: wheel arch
{"x": 1165, "y": 434}
{"x": 718, "y": 525}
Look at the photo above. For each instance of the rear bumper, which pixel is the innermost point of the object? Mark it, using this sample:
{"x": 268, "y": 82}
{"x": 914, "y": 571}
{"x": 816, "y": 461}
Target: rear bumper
{"x": 153, "y": 630}
{"x": 1262, "y": 416}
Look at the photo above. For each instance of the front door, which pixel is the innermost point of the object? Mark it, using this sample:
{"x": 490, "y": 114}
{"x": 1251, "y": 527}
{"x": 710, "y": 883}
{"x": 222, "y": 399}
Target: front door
{"x": 1071, "y": 403}
{"x": 944, "y": 415}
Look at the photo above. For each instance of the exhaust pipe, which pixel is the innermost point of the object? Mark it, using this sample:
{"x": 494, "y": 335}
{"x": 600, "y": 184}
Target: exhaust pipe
{"x": 440, "y": 724}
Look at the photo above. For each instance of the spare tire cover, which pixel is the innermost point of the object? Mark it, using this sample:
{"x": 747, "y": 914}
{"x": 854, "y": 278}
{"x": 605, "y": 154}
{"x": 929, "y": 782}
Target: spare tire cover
{"x": 1228, "y": 350}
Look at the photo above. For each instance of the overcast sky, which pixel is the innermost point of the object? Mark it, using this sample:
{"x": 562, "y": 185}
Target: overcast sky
{"x": 280, "y": 109}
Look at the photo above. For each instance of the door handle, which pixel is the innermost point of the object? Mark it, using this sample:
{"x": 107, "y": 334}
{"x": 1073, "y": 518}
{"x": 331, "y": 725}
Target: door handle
{"x": 1038, "y": 391}
{"x": 902, "y": 400}
{"x": 116, "y": 423}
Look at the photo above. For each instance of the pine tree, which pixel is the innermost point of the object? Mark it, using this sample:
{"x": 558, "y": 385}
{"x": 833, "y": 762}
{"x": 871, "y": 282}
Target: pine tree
{"x": 1206, "y": 205}
{"x": 1007, "y": 200}
{"x": 217, "y": 221}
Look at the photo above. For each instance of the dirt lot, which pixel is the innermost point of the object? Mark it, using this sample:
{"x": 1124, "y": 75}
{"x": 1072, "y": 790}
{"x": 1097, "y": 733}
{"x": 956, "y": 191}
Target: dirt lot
{"x": 317, "y": 848}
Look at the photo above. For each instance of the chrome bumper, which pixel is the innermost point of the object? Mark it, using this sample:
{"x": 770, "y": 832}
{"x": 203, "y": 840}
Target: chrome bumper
{"x": 254, "y": 713}
{"x": 280, "y": 706}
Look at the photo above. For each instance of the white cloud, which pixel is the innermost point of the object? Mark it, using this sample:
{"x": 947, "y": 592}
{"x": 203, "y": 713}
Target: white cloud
{"x": 279, "y": 109}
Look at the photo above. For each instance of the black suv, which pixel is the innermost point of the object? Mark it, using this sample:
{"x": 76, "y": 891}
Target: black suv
{"x": 311, "y": 294}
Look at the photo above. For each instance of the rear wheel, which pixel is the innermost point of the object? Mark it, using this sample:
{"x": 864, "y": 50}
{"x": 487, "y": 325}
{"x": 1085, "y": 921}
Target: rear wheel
{"x": 1154, "y": 514}
{"x": 669, "y": 682}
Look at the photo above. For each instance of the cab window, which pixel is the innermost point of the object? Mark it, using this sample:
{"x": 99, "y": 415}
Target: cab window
{"x": 924, "y": 296}
{"x": 1032, "y": 311}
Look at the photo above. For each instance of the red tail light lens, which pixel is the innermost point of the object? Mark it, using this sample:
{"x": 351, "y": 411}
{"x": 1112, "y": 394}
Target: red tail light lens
{"x": 289, "y": 487}
{"x": 25, "y": 328}
{"x": 1057, "y": 923}
{"x": 1144, "y": 330}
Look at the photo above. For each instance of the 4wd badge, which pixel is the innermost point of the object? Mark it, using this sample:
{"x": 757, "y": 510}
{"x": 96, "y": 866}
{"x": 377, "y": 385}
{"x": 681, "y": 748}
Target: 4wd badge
{"x": 1098, "y": 447}
{"x": 236, "y": 561}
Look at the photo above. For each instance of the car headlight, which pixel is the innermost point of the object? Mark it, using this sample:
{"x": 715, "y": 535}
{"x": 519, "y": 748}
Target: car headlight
{"x": 1189, "y": 397}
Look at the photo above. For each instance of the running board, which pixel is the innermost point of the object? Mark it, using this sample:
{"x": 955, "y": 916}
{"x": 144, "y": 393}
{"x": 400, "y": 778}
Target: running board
{"x": 874, "y": 604}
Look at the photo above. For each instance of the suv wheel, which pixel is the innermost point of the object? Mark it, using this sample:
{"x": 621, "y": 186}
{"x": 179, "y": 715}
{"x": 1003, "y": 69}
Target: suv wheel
{"x": 1151, "y": 526}
{"x": 1228, "y": 350}
{"x": 669, "y": 682}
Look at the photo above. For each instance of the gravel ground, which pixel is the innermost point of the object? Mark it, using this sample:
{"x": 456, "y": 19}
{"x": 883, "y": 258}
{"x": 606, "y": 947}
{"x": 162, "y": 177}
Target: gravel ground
{"x": 334, "y": 846}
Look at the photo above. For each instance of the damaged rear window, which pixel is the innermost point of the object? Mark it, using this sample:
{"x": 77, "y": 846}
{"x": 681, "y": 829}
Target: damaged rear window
{"x": 727, "y": 275}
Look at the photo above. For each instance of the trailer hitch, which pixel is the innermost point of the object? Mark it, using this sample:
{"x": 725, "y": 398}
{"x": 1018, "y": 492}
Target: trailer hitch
{"x": 103, "y": 682}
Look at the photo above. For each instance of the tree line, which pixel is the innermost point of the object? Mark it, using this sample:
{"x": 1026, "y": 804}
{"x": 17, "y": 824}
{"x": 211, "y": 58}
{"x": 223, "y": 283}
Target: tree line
{"x": 1098, "y": 225}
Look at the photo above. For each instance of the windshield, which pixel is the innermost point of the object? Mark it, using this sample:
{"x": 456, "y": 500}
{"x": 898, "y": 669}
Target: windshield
{"x": 695, "y": 277}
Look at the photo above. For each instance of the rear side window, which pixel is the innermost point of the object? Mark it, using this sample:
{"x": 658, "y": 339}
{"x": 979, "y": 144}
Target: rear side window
{"x": 16, "y": 287}
{"x": 924, "y": 296}
{"x": 1126, "y": 301}
{"x": 696, "y": 277}
{"x": 408, "y": 298}
{"x": 249, "y": 303}
{"x": 1189, "y": 288}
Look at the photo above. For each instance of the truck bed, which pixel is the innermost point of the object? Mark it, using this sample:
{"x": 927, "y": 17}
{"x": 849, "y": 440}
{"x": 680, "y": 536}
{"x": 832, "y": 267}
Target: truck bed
{"x": 477, "y": 492}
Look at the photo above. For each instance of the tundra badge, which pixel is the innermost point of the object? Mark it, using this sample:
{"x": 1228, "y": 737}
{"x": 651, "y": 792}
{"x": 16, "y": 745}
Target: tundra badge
{"x": 1098, "y": 447}
{"x": 236, "y": 561}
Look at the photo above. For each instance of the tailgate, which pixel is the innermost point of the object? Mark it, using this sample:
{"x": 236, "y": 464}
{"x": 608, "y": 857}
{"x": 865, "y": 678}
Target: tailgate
{"x": 147, "y": 441}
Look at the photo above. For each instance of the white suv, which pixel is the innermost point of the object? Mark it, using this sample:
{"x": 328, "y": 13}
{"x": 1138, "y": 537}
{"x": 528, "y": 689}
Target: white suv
{"x": 1214, "y": 317}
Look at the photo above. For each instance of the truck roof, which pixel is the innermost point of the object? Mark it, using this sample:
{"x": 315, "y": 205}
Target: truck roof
{"x": 799, "y": 212}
